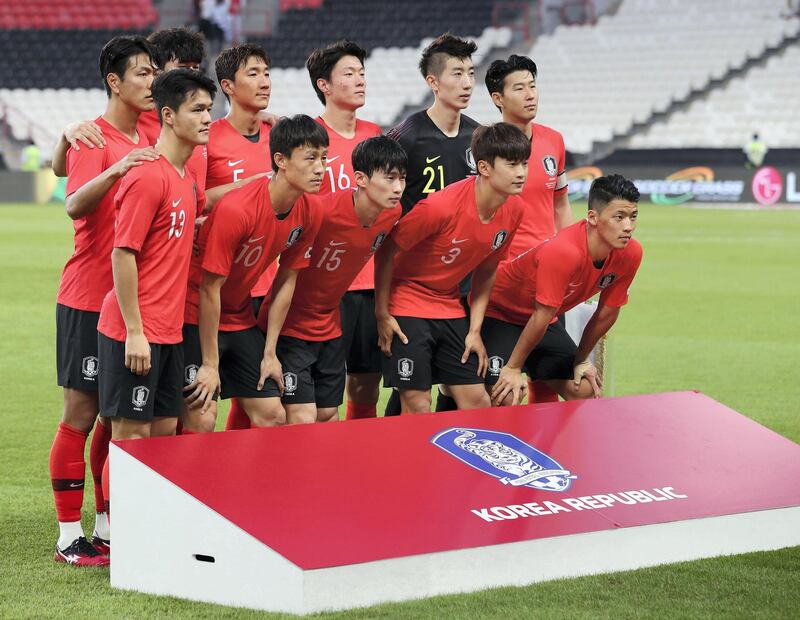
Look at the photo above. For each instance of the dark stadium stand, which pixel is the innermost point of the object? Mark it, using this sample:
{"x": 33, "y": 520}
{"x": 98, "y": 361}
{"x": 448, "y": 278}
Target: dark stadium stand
{"x": 372, "y": 24}
{"x": 53, "y": 58}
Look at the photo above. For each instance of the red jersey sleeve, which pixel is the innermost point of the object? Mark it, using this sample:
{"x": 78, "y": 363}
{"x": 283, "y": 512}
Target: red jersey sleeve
{"x": 616, "y": 294}
{"x": 227, "y": 228}
{"x": 423, "y": 221}
{"x": 554, "y": 269}
{"x": 83, "y": 166}
{"x": 137, "y": 201}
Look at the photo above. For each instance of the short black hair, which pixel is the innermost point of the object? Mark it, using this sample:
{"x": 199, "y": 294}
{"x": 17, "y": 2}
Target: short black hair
{"x": 379, "y": 154}
{"x": 499, "y": 70}
{"x": 117, "y": 52}
{"x": 322, "y": 61}
{"x": 180, "y": 44}
{"x": 434, "y": 57}
{"x": 232, "y": 59}
{"x": 172, "y": 88}
{"x": 500, "y": 140}
{"x": 611, "y": 187}
{"x": 292, "y": 132}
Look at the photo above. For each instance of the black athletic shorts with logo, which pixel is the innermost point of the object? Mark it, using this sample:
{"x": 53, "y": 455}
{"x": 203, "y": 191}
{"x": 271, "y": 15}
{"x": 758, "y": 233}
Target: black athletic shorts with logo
{"x": 158, "y": 394}
{"x": 360, "y": 332}
{"x": 553, "y": 357}
{"x": 77, "y": 364}
{"x": 240, "y": 355}
{"x": 313, "y": 372}
{"x": 432, "y": 355}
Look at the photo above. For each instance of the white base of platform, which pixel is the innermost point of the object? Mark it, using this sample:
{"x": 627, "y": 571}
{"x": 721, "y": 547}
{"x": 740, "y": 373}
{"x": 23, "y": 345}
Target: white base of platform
{"x": 246, "y": 573}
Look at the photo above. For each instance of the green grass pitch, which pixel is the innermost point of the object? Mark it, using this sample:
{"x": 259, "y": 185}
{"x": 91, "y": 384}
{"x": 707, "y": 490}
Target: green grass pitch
{"x": 715, "y": 308}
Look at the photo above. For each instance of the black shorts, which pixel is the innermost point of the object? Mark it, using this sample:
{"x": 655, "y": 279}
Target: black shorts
{"x": 158, "y": 394}
{"x": 432, "y": 355}
{"x": 553, "y": 357}
{"x": 360, "y": 332}
{"x": 77, "y": 364}
{"x": 313, "y": 372}
{"x": 240, "y": 355}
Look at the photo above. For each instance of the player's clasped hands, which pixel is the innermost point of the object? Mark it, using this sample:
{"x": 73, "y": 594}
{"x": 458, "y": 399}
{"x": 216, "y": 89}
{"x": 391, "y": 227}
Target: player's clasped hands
{"x": 271, "y": 369}
{"x": 388, "y": 327}
{"x": 511, "y": 381}
{"x": 203, "y": 389}
{"x": 473, "y": 343}
{"x": 587, "y": 370}
{"x": 137, "y": 354}
{"x": 135, "y": 158}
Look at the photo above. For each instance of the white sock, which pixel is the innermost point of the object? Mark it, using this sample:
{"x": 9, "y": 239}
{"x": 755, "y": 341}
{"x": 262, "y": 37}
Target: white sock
{"x": 68, "y": 533}
{"x": 102, "y": 529}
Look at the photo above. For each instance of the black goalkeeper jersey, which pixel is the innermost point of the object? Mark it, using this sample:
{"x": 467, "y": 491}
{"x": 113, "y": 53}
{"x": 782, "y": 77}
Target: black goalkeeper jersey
{"x": 434, "y": 159}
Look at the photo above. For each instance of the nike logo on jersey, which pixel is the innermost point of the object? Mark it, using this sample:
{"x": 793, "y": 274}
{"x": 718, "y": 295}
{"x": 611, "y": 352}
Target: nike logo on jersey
{"x": 235, "y": 163}
{"x": 175, "y": 203}
{"x": 430, "y": 160}
{"x": 335, "y": 243}
{"x": 256, "y": 239}
{"x": 330, "y": 159}
{"x": 457, "y": 241}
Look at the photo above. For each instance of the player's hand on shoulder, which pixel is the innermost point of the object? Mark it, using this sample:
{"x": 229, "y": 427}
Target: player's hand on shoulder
{"x": 84, "y": 132}
{"x": 473, "y": 343}
{"x": 137, "y": 354}
{"x": 271, "y": 369}
{"x": 586, "y": 370}
{"x": 201, "y": 392}
{"x": 388, "y": 328}
{"x": 511, "y": 382}
{"x": 135, "y": 158}
{"x": 268, "y": 117}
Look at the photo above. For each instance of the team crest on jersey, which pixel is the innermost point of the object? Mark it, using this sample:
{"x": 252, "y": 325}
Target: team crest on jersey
{"x": 405, "y": 368}
{"x": 606, "y": 281}
{"x": 191, "y": 373}
{"x": 499, "y": 239}
{"x": 495, "y": 365}
{"x": 549, "y": 165}
{"x": 378, "y": 241}
{"x": 505, "y": 457}
{"x": 140, "y": 396}
{"x": 471, "y": 160}
{"x": 294, "y": 236}
{"x": 289, "y": 383}
{"x": 90, "y": 367}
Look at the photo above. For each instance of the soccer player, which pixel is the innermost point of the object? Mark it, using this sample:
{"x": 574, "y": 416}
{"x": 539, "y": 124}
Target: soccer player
{"x": 337, "y": 75}
{"x": 94, "y": 174}
{"x": 141, "y": 318}
{"x": 512, "y": 86}
{"x": 244, "y": 234}
{"x": 311, "y": 347}
{"x": 424, "y": 329}
{"x": 597, "y": 255}
{"x": 172, "y": 48}
{"x": 438, "y": 140}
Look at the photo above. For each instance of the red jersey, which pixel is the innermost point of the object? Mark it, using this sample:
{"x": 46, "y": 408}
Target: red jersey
{"x": 150, "y": 126}
{"x": 156, "y": 209}
{"x": 87, "y": 275}
{"x": 341, "y": 248}
{"x": 546, "y": 178}
{"x": 232, "y": 157}
{"x": 340, "y": 176}
{"x": 241, "y": 237}
{"x": 560, "y": 273}
{"x": 442, "y": 239}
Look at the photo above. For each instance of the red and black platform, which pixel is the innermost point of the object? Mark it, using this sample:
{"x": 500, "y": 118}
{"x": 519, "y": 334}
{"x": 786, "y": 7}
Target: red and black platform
{"x": 334, "y": 516}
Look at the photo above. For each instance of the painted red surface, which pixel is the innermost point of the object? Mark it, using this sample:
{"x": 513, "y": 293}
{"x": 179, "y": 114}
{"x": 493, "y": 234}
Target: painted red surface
{"x": 364, "y": 490}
